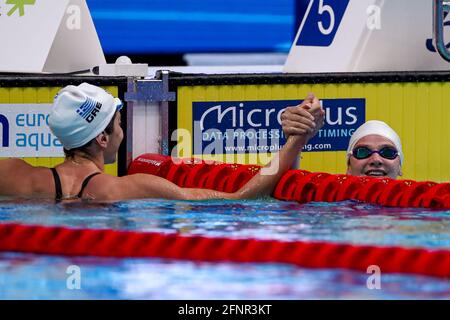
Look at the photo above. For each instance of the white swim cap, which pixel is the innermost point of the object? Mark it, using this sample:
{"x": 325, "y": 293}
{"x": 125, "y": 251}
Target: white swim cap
{"x": 80, "y": 113}
{"x": 379, "y": 128}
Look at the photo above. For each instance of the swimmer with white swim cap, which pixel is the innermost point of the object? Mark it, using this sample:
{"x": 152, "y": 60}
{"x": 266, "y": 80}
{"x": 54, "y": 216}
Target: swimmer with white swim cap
{"x": 87, "y": 121}
{"x": 374, "y": 149}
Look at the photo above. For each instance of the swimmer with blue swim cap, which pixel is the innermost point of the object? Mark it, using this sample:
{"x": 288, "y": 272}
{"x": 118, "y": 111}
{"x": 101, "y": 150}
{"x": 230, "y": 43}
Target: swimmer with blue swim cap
{"x": 87, "y": 121}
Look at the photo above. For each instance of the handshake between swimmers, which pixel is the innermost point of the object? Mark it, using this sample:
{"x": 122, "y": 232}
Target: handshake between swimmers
{"x": 87, "y": 121}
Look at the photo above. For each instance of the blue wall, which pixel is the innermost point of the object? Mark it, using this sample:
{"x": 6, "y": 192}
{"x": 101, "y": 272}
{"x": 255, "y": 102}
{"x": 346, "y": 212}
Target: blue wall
{"x": 182, "y": 26}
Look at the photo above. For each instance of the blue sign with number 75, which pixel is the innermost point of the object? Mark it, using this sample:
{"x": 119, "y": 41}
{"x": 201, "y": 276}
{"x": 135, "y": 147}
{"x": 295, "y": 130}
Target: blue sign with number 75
{"x": 323, "y": 18}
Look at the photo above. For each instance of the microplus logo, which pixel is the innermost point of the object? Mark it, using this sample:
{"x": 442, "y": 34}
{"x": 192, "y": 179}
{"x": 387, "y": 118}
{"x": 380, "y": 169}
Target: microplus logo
{"x": 89, "y": 109}
{"x": 239, "y": 117}
{"x": 5, "y": 131}
{"x": 321, "y": 22}
{"x": 248, "y": 125}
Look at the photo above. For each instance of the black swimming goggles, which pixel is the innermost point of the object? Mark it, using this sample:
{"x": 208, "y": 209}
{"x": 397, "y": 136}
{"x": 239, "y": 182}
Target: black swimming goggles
{"x": 385, "y": 152}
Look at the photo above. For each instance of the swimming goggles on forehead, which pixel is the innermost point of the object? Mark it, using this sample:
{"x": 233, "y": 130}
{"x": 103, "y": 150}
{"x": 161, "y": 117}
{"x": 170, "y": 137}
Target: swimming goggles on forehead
{"x": 385, "y": 152}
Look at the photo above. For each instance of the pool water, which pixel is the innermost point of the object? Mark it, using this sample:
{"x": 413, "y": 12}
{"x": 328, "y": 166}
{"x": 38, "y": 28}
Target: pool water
{"x": 28, "y": 276}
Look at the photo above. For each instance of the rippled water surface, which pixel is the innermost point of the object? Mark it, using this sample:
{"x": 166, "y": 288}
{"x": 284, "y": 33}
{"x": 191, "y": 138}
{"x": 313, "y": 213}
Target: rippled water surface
{"x": 34, "y": 276}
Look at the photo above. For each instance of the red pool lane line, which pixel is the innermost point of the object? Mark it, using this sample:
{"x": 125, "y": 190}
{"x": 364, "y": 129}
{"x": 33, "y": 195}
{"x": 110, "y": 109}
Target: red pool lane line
{"x": 128, "y": 244}
{"x": 298, "y": 185}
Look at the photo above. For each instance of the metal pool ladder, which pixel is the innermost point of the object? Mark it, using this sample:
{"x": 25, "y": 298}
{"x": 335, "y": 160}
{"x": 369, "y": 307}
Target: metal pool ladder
{"x": 440, "y": 7}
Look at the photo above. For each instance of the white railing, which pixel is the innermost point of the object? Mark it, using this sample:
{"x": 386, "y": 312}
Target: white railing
{"x": 440, "y": 7}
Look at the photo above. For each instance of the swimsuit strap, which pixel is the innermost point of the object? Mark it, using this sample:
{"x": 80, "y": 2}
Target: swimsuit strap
{"x": 85, "y": 183}
{"x": 58, "y": 189}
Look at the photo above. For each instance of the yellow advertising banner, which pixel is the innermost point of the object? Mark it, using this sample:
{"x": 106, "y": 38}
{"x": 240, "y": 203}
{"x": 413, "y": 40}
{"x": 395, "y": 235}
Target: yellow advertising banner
{"x": 418, "y": 111}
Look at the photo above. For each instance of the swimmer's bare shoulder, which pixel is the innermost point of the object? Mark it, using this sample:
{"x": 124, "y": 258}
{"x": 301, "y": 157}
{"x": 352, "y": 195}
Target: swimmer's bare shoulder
{"x": 19, "y": 178}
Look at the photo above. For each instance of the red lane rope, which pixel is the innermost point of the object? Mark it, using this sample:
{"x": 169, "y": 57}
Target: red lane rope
{"x": 297, "y": 185}
{"x": 120, "y": 244}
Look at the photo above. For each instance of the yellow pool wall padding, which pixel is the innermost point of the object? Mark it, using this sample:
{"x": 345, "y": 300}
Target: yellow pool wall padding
{"x": 419, "y": 112}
